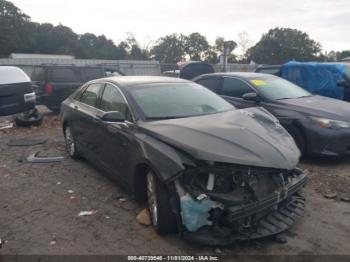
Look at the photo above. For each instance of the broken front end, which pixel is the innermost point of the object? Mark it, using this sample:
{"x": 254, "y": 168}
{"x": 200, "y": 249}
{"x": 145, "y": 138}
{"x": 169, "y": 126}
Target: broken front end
{"x": 220, "y": 204}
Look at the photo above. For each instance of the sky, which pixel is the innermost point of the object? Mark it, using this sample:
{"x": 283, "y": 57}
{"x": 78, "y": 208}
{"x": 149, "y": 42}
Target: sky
{"x": 326, "y": 21}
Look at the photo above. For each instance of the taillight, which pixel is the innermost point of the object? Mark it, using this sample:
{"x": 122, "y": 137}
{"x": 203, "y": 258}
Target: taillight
{"x": 48, "y": 89}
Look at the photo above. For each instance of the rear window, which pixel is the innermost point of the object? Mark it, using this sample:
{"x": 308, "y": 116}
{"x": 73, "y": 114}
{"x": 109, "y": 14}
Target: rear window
{"x": 65, "y": 75}
{"x": 92, "y": 73}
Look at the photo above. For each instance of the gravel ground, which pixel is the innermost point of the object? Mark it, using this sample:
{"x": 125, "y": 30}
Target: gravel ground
{"x": 40, "y": 204}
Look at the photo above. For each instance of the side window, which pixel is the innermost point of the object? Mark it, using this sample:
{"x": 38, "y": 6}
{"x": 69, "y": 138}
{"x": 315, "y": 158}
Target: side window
{"x": 235, "y": 88}
{"x": 113, "y": 100}
{"x": 210, "y": 83}
{"x": 65, "y": 75}
{"x": 90, "y": 95}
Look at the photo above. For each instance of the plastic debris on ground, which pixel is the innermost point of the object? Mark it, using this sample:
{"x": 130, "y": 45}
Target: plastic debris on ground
{"x": 35, "y": 158}
{"x": 87, "y": 213}
{"x": 26, "y": 142}
{"x": 6, "y": 125}
{"x": 330, "y": 195}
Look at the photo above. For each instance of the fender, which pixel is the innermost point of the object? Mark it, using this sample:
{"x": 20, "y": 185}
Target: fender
{"x": 165, "y": 159}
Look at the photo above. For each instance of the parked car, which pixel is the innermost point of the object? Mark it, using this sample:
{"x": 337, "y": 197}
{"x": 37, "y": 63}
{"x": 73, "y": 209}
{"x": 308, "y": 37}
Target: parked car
{"x": 319, "y": 125}
{"x": 54, "y": 83}
{"x": 326, "y": 79}
{"x": 215, "y": 173}
{"x": 16, "y": 93}
{"x": 189, "y": 70}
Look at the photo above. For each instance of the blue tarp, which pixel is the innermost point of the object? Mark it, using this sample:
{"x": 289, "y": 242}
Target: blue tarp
{"x": 317, "y": 78}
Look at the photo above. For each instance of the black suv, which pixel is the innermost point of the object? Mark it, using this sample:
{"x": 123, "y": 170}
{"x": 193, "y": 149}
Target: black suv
{"x": 54, "y": 83}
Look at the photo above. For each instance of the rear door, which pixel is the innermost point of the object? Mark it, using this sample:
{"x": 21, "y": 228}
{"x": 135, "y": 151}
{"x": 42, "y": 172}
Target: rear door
{"x": 233, "y": 90}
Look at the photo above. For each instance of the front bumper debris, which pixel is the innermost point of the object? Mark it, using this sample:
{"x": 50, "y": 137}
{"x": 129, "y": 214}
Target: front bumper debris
{"x": 272, "y": 224}
{"x": 261, "y": 203}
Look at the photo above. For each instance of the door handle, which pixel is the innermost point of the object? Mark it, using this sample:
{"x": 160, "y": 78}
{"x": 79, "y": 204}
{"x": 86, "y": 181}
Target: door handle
{"x": 75, "y": 108}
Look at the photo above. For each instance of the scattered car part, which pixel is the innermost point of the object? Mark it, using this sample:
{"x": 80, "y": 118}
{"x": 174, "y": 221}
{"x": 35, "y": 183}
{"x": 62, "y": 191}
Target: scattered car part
{"x": 331, "y": 195}
{"x": 345, "y": 199}
{"x": 34, "y": 158}
{"x": 29, "y": 118}
{"x": 6, "y": 125}
{"x": 87, "y": 213}
{"x": 26, "y": 142}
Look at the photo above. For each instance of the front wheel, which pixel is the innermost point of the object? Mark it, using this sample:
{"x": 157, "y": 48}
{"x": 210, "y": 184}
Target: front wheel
{"x": 70, "y": 143}
{"x": 163, "y": 219}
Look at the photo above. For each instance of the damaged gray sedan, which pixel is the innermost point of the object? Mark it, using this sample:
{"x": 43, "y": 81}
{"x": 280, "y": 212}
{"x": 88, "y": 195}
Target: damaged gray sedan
{"x": 211, "y": 172}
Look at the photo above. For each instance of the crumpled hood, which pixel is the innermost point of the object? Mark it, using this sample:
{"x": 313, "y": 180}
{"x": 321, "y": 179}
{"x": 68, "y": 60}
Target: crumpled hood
{"x": 321, "y": 106}
{"x": 247, "y": 137}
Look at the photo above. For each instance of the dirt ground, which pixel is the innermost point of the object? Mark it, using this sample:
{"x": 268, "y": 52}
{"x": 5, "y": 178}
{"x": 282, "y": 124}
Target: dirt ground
{"x": 40, "y": 204}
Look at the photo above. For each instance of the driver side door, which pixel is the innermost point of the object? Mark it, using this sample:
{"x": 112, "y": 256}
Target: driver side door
{"x": 117, "y": 140}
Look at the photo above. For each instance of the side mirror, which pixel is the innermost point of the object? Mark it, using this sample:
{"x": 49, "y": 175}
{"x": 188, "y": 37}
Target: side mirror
{"x": 251, "y": 97}
{"x": 113, "y": 116}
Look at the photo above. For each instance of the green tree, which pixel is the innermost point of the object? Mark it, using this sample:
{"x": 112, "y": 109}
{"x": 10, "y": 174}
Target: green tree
{"x": 213, "y": 53}
{"x": 134, "y": 51}
{"x": 195, "y": 46}
{"x": 169, "y": 49}
{"x": 12, "y": 27}
{"x": 280, "y": 45}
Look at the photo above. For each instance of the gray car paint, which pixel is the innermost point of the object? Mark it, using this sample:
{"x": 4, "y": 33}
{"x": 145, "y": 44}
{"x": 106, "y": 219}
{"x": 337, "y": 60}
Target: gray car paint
{"x": 250, "y": 137}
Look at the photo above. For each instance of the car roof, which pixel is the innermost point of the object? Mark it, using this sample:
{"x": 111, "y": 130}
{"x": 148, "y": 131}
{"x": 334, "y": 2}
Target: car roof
{"x": 249, "y": 75}
{"x": 12, "y": 75}
{"x": 132, "y": 81}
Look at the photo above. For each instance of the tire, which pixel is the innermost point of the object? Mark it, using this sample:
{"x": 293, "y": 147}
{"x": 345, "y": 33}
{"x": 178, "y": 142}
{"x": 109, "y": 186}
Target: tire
{"x": 299, "y": 139}
{"x": 29, "y": 119}
{"x": 163, "y": 219}
{"x": 70, "y": 143}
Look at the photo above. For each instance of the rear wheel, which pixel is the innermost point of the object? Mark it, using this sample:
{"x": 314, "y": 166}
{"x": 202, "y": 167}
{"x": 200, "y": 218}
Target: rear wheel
{"x": 299, "y": 138}
{"x": 163, "y": 219}
{"x": 70, "y": 143}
